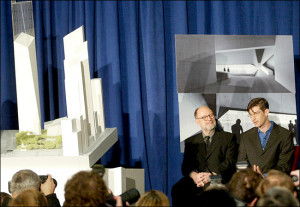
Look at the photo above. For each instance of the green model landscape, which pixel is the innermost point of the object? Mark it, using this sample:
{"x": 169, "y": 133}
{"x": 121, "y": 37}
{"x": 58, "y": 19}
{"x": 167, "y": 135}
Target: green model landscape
{"x": 27, "y": 140}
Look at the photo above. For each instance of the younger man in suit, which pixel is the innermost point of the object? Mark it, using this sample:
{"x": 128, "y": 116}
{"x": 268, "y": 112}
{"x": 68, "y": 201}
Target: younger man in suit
{"x": 210, "y": 152}
{"x": 267, "y": 145}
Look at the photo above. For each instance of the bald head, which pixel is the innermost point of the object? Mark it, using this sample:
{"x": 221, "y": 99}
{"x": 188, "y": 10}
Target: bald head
{"x": 201, "y": 109}
{"x": 205, "y": 119}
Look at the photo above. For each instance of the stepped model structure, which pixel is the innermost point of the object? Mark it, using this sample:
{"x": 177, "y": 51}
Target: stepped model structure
{"x": 85, "y": 120}
{"x": 83, "y": 96}
{"x": 28, "y": 98}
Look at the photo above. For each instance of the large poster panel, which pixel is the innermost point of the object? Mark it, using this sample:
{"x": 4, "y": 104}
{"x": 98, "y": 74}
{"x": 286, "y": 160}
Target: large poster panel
{"x": 225, "y": 72}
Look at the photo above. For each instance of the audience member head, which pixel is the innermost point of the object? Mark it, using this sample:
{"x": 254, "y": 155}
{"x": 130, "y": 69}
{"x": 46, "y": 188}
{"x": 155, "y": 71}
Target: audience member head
{"x": 244, "y": 183}
{"x": 31, "y": 197}
{"x": 153, "y": 198}
{"x": 85, "y": 188}
{"x": 24, "y": 180}
{"x": 275, "y": 178}
{"x": 4, "y": 198}
{"x": 214, "y": 197}
{"x": 278, "y": 196}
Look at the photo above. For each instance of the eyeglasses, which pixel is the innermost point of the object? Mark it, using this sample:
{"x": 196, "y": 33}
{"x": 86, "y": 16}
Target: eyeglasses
{"x": 205, "y": 118}
{"x": 254, "y": 114}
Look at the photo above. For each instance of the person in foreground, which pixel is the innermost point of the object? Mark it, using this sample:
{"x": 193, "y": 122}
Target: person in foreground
{"x": 267, "y": 145}
{"x": 30, "y": 197}
{"x": 278, "y": 196}
{"x": 208, "y": 153}
{"x": 27, "y": 179}
{"x": 275, "y": 178}
{"x": 87, "y": 188}
{"x": 243, "y": 185}
{"x": 153, "y": 198}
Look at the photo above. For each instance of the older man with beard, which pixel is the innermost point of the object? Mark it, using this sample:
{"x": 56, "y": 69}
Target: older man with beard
{"x": 210, "y": 152}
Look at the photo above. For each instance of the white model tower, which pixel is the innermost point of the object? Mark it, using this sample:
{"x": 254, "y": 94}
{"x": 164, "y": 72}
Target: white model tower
{"x": 28, "y": 98}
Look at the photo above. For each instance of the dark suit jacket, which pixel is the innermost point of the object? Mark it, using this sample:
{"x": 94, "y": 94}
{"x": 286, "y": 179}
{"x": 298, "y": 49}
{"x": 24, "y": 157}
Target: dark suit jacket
{"x": 278, "y": 153}
{"x": 220, "y": 158}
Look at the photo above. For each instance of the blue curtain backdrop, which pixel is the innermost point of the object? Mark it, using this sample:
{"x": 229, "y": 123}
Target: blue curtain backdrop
{"x": 132, "y": 48}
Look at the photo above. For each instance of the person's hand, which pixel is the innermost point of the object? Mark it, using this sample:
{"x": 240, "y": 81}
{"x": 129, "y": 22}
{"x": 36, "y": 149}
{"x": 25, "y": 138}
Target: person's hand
{"x": 119, "y": 202}
{"x": 48, "y": 187}
{"x": 109, "y": 191}
{"x": 257, "y": 169}
{"x": 297, "y": 174}
{"x": 205, "y": 177}
{"x": 197, "y": 178}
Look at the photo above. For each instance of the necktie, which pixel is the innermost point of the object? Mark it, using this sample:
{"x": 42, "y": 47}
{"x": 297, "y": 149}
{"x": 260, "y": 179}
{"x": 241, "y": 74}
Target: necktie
{"x": 207, "y": 141}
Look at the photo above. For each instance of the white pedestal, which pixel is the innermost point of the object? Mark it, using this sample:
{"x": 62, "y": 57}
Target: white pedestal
{"x": 52, "y": 161}
{"x": 122, "y": 179}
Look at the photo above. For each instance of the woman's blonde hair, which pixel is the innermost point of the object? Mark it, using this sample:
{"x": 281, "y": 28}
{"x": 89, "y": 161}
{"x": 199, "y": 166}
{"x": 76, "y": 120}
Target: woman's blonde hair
{"x": 153, "y": 198}
{"x": 30, "y": 197}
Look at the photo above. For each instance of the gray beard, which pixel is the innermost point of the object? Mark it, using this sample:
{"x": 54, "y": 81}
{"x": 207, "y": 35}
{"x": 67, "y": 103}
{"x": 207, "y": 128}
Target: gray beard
{"x": 211, "y": 128}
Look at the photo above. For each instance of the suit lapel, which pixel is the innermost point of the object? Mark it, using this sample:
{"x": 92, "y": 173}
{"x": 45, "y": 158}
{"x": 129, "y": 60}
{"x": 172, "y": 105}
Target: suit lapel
{"x": 254, "y": 139}
{"x": 272, "y": 137}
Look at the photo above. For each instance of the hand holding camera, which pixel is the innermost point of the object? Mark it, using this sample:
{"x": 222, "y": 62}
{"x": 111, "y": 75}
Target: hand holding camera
{"x": 48, "y": 185}
{"x": 295, "y": 176}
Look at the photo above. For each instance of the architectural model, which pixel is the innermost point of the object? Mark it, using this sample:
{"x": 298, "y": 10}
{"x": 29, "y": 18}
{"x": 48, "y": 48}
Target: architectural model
{"x": 85, "y": 113}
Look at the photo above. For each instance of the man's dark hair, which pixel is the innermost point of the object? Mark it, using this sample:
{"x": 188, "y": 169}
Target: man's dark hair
{"x": 85, "y": 188}
{"x": 244, "y": 183}
{"x": 261, "y": 102}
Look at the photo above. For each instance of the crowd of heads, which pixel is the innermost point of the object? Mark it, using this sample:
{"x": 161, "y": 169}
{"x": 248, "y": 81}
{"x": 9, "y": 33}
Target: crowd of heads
{"x": 84, "y": 188}
{"x": 249, "y": 188}
{"x": 87, "y": 188}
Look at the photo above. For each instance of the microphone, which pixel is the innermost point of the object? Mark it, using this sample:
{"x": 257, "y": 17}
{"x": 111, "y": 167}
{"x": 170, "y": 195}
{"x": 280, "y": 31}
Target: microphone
{"x": 240, "y": 165}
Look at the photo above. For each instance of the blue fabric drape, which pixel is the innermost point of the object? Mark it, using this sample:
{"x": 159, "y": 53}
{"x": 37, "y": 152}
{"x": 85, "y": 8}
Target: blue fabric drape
{"x": 131, "y": 47}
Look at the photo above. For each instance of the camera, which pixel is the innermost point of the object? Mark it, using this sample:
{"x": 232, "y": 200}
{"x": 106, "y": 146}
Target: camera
{"x": 43, "y": 179}
{"x": 131, "y": 196}
{"x": 294, "y": 178}
{"x": 215, "y": 179}
{"x": 241, "y": 165}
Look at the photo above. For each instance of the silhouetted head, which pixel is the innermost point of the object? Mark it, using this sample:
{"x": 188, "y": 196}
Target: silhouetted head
{"x": 214, "y": 197}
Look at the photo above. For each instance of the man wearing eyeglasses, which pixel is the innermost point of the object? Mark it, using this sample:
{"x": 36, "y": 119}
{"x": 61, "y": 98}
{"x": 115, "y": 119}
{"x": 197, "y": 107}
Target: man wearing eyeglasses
{"x": 208, "y": 153}
{"x": 267, "y": 145}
